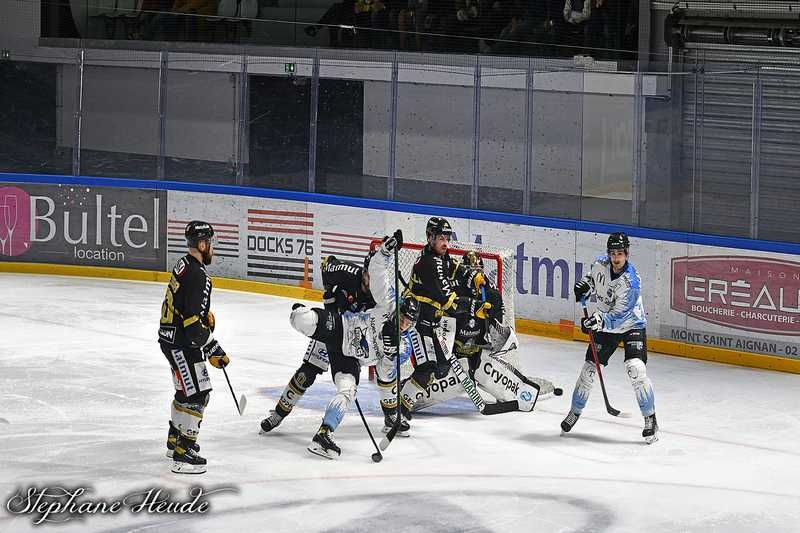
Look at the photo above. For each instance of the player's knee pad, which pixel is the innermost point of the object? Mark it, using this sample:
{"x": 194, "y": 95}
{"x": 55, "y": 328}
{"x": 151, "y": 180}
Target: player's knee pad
{"x": 583, "y": 387}
{"x": 188, "y": 414}
{"x": 642, "y": 386}
{"x": 345, "y": 395}
{"x": 505, "y": 383}
{"x": 304, "y": 320}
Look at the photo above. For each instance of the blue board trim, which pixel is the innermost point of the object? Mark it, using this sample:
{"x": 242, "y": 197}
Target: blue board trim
{"x": 405, "y": 207}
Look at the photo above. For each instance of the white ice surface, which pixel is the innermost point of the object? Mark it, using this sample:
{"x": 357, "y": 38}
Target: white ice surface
{"x": 86, "y": 394}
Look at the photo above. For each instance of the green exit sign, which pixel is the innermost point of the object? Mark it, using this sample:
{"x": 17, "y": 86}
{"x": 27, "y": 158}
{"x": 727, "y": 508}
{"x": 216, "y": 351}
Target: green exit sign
{"x": 290, "y": 68}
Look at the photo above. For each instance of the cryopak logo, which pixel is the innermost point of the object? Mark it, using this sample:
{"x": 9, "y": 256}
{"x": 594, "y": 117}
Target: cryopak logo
{"x": 15, "y": 221}
{"x": 752, "y": 294}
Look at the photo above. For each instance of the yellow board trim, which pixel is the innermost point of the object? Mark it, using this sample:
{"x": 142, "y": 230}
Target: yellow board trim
{"x": 565, "y": 330}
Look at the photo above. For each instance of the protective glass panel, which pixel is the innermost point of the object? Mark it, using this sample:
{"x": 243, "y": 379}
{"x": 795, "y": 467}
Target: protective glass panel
{"x": 201, "y": 124}
{"x": 353, "y": 129}
{"x": 120, "y": 128}
{"x": 435, "y": 127}
{"x": 37, "y": 116}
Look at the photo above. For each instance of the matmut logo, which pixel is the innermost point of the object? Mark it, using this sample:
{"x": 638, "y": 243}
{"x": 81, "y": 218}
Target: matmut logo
{"x": 761, "y": 295}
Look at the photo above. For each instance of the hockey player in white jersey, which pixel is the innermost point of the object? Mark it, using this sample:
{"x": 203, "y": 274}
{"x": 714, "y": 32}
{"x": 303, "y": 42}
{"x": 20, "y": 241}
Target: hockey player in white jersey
{"x": 353, "y": 339}
{"x": 619, "y": 317}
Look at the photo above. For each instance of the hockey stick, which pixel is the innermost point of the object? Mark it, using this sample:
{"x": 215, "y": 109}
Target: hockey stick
{"x": 398, "y": 420}
{"x": 611, "y": 410}
{"x": 466, "y": 381}
{"x": 377, "y": 456}
{"x": 241, "y": 403}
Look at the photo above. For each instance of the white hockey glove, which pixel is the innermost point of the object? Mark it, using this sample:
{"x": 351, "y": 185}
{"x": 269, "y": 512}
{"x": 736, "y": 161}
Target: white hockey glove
{"x": 593, "y": 322}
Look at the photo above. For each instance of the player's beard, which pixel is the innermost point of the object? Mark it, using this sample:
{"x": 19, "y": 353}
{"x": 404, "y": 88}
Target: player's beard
{"x": 207, "y": 256}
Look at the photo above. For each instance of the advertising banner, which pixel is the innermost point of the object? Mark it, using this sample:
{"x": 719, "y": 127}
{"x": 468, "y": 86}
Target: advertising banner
{"x": 79, "y": 225}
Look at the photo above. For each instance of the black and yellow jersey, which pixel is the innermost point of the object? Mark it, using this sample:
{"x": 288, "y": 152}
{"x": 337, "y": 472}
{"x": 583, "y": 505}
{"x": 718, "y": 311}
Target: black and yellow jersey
{"x": 184, "y": 312}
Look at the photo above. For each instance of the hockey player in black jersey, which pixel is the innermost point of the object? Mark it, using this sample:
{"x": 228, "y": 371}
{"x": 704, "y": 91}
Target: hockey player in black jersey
{"x": 187, "y": 341}
{"x": 433, "y": 285}
{"x": 481, "y": 345}
{"x": 346, "y": 288}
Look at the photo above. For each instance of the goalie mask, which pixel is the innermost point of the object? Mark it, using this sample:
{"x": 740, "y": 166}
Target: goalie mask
{"x": 473, "y": 259}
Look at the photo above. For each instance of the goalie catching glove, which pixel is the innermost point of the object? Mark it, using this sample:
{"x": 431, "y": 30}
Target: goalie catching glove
{"x": 216, "y": 355}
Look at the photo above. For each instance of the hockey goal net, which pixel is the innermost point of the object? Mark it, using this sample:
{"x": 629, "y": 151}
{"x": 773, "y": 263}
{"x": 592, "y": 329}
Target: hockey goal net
{"x": 498, "y": 267}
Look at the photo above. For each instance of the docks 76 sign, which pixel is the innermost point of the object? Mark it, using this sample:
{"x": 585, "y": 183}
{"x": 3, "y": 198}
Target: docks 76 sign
{"x": 752, "y": 294}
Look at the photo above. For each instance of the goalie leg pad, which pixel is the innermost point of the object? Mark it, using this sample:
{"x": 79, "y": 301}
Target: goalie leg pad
{"x": 412, "y": 390}
{"x": 505, "y": 383}
{"x": 338, "y": 406}
{"x": 439, "y": 389}
{"x": 642, "y": 386}
{"x": 583, "y": 387}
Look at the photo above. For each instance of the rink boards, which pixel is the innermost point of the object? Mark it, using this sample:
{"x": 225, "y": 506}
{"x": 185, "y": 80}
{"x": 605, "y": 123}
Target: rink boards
{"x": 707, "y": 297}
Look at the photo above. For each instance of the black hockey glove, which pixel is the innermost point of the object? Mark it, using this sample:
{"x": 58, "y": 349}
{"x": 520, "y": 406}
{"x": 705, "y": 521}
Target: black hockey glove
{"x": 389, "y": 337}
{"x": 593, "y": 322}
{"x": 216, "y": 355}
{"x": 582, "y": 289}
{"x": 392, "y": 242}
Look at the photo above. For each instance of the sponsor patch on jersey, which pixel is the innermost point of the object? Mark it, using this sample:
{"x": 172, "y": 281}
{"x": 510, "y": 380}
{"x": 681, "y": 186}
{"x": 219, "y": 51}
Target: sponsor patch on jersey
{"x": 180, "y": 267}
{"x": 167, "y": 333}
{"x": 203, "y": 379}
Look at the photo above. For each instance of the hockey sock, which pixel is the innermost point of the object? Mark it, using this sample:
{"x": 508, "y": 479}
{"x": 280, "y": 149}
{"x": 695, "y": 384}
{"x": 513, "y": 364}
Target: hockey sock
{"x": 583, "y": 387}
{"x": 642, "y": 386}
{"x": 297, "y": 386}
{"x": 388, "y": 395}
{"x": 345, "y": 394}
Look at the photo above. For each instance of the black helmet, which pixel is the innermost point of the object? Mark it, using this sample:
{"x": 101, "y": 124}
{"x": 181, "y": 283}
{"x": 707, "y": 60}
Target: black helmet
{"x": 409, "y": 308}
{"x": 473, "y": 259}
{"x": 618, "y": 241}
{"x": 438, "y": 226}
{"x": 197, "y": 231}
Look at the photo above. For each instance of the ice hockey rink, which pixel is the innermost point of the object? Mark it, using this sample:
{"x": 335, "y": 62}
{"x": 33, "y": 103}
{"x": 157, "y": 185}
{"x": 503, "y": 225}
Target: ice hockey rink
{"x": 85, "y": 395}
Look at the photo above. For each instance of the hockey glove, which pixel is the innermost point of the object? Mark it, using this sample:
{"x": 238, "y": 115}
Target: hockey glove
{"x": 211, "y": 321}
{"x": 483, "y": 311}
{"x": 391, "y": 242}
{"x": 593, "y": 322}
{"x": 216, "y": 355}
{"x": 582, "y": 289}
{"x": 475, "y": 279}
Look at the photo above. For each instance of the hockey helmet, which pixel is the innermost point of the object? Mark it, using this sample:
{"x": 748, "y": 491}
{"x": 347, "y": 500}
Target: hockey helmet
{"x": 197, "y": 231}
{"x": 409, "y": 308}
{"x": 473, "y": 259}
{"x": 618, "y": 241}
{"x": 438, "y": 226}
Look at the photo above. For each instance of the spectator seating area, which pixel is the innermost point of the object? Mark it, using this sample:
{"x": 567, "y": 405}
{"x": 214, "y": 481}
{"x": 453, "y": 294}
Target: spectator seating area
{"x": 604, "y": 29}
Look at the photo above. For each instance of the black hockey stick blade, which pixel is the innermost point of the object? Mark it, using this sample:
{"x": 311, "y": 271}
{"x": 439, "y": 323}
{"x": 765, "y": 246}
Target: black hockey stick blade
{"x": 499, "y": 408}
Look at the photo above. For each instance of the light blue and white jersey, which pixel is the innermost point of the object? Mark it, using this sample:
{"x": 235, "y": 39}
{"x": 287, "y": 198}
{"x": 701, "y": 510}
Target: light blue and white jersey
{"x": 619, "y": 301}
{"x": 362, "y": 332}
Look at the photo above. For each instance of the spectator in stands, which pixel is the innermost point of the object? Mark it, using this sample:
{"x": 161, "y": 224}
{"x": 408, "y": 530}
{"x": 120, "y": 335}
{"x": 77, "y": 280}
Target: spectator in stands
{"x": 370, "y": 14}
{"x": 576, "y": 14}
{"x": 339, "y": 14}
{"x": 155, "y": 19}
{"x": 191, "y": 18}
{"x": 462, "y": 20}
